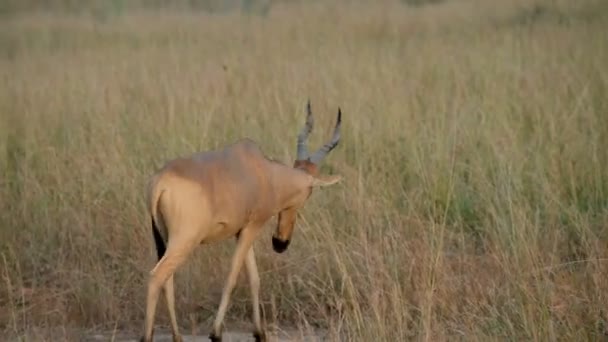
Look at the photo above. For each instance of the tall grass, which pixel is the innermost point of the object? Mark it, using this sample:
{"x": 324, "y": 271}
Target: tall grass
{"x": 475, "y": 200}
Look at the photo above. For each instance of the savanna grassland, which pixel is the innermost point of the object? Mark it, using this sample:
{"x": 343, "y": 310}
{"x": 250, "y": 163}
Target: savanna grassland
{"x": 474, "y": 152}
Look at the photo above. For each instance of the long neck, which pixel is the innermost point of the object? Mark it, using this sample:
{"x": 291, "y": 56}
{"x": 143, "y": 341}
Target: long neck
{"x": 287, "y": 183}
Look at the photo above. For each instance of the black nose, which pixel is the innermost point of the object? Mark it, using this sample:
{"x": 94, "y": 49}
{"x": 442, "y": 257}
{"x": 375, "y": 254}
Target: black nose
{"x": 279, "y": 245}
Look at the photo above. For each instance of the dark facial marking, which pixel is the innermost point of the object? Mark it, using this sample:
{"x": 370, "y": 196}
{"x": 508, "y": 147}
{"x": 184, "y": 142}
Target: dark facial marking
{"x": 279, "y": 245}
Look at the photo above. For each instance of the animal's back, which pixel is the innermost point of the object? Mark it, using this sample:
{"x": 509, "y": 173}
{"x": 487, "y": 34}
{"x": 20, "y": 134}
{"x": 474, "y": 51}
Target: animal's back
{"x": 234, "y": 164}
{"x": 230, "y": 182}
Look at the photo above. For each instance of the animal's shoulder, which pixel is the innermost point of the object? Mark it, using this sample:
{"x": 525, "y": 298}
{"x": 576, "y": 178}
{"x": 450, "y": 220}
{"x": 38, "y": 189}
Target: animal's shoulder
{"x": 227, "y": 158}
{"x": 245, "y": 145}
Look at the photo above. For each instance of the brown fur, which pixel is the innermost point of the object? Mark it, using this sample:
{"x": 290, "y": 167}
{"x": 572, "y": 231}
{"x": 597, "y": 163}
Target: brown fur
{"x": 307, "y": 166}
{"x": 211, "y": 196}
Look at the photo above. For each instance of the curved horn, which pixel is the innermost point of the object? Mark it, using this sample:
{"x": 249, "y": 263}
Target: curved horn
{"x": 303, "y": 136}
{"x": 318, "y": 156}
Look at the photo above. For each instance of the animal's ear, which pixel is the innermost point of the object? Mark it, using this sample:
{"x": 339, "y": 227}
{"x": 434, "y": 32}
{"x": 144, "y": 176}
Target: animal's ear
{"x": 325, "y": 180}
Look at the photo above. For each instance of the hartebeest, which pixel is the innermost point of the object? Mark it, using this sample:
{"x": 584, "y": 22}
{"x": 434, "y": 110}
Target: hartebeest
{"x": 215, "y": 195}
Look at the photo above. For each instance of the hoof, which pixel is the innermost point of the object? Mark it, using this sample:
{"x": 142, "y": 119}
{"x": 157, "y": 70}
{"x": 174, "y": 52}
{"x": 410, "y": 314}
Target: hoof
{"x": 259, "y": 336}
{"x": 144, "y": 339}
{"x": 177, "y": 338}
{"x": 215, "y": 338}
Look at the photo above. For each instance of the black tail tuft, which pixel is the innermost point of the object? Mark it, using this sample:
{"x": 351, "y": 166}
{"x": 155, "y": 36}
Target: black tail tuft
{"x": 158, "y": 240}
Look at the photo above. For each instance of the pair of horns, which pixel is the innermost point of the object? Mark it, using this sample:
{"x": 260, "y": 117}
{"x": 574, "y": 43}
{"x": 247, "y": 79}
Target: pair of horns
{"x": 318, "y": 156}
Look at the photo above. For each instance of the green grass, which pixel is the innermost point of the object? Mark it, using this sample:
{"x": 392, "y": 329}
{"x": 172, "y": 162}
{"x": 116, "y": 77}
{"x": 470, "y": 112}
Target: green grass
{"x": 475, "y": 200}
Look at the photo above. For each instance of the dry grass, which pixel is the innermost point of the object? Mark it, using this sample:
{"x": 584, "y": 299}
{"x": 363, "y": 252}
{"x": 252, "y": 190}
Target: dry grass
{"x": 475, "y": 204}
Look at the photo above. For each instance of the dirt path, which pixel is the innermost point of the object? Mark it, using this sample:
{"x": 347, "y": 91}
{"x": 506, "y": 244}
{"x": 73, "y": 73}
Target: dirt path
{"x": 231, "y": 336}
{"x": 161, "y": 335}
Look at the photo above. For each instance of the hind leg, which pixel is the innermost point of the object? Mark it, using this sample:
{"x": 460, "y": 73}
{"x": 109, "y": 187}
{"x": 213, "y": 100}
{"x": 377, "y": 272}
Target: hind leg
{"x": 170, "y": 299}
{"x": 175, "y": 256}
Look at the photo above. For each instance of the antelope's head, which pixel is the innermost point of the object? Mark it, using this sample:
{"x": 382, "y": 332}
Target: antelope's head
{"x": 308, "y": 164}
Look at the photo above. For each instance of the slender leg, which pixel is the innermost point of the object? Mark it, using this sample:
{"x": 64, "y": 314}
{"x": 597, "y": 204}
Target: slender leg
{"x": 254, "y": 285}
{"x": 244, "y": 244}
{"x": 170, "y": 298}
{"x": 174, "y": 257}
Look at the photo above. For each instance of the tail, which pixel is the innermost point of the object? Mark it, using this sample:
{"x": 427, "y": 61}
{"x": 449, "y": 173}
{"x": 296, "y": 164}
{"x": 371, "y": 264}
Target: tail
{"x": 154, "y": 194}
{"x": 161, "y": 247}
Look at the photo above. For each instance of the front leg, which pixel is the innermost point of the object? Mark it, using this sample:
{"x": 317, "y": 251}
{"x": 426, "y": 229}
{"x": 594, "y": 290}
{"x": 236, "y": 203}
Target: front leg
{"x": 254, "y": 285}
{"x": 245, "y": 240}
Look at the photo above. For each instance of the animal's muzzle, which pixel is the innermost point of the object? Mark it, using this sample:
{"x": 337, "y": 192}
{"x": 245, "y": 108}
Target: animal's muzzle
{"x": 279, "y": 245}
